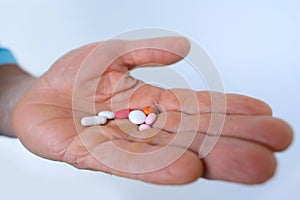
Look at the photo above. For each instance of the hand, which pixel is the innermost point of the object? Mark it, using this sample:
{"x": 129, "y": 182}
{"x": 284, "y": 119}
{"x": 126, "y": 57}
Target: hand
{"x": 47, "y": 120}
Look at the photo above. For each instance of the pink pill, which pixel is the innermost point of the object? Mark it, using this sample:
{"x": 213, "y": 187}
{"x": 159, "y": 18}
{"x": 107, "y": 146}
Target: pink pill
{"x": 123, "y": 114}
{"x": 143, "y": 127}
{"x": 150, "y": 119}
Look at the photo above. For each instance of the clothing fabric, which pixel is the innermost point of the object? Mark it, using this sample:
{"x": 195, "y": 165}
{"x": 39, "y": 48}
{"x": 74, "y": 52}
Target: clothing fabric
{"x": 6, "y": 57}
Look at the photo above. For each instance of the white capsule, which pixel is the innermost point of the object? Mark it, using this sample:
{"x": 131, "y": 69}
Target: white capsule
{"x": 150, "y": 119}
{"x": 93, "y": 120}
{"x": 137, "y": 117}
{"x": 107, "y": 114}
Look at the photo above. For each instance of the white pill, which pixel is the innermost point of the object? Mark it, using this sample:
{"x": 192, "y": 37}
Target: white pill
{"x": 107, "y": 114}
{"x": 93, "y": 120}
{"x": 144, "y": 127}
{"x": 137, "y": 117}
{"x": 150, "y": 119}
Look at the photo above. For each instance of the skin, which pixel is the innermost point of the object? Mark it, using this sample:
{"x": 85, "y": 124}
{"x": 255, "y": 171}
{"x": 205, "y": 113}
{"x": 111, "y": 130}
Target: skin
{"x": 45, "y": 115}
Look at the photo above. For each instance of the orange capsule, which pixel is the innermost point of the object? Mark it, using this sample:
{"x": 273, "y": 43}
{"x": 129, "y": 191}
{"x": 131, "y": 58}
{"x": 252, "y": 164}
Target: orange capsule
{"x": 147, "y": 110}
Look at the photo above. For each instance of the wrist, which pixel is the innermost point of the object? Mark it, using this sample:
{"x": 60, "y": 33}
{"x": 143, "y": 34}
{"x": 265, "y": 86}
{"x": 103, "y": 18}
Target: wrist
{"x": 14, "y": 83}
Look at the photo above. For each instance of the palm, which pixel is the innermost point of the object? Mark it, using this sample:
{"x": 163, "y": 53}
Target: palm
{"x": 47, "y": 122}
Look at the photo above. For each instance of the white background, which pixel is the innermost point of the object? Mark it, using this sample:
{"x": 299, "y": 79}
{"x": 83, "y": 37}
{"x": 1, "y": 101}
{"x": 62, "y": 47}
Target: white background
{"x": 255, "y": 45}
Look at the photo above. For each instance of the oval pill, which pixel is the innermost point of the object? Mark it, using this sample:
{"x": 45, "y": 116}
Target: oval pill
{"x": 144, "y": 127}
{"x": 150, "y": 119}
{"x": 146, "y": 110}
{"x": 150, "y": 109}
{"x": 137, "y": 117}
{"x": 107, "y": 114}
{"x": 93, "y": 120}
{"x": 122, "y": 114}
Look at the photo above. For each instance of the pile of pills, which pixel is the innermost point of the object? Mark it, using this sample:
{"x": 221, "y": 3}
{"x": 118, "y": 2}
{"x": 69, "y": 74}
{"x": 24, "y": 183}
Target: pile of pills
{"x": 144, "y": 118}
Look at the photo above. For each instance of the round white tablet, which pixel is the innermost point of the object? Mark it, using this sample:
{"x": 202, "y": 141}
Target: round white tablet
{"x": 137, "y": 117}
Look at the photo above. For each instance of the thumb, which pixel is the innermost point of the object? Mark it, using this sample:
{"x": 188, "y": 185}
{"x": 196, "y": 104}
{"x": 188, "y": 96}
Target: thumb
{"x": 123, "y": 55}
{"x": 155, "y": 51}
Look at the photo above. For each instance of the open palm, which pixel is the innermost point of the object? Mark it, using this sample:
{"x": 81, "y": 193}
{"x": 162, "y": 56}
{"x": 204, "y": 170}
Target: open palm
{"x": 96, "y": 77}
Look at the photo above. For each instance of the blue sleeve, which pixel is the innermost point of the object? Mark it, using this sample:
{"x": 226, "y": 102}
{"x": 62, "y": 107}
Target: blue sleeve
{"x": 6, "y": 57}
